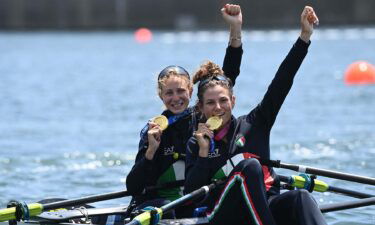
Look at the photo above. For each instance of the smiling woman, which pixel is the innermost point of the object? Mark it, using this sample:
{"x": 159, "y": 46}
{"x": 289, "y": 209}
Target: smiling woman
{"x": 218, "y": 95}
{"x": 251, "y": 194}
{"x": 156, "y": 161}
{"x": 175, "y": 90}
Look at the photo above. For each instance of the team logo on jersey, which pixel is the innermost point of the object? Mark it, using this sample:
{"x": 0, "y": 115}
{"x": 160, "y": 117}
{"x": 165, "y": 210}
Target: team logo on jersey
{"x": 214, "y": 154}
{"x": 169, "y": 150}
{"x": 240, "y": 140}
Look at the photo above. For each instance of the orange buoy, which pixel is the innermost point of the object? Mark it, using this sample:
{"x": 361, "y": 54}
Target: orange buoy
{"x": 360, "y": 72}
{"x": 143, "y": 35}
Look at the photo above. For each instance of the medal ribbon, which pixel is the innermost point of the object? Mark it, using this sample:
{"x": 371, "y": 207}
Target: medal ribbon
{"x": 174, "y": 118}
{"x": 171, "y": 120}
{"x": 220, "y": 135}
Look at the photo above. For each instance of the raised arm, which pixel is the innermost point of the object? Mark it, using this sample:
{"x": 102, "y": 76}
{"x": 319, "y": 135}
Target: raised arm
{"x": 232, "y": 61}
{"x": 232, "y": 15}
{"x": 308, "y": 19}
{"x": 283, "y": 80}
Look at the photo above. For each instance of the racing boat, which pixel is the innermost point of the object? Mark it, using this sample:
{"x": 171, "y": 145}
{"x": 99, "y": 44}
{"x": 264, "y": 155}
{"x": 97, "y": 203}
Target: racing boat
{"x": 76, "y": 211}
{"x": 112, "y": 216}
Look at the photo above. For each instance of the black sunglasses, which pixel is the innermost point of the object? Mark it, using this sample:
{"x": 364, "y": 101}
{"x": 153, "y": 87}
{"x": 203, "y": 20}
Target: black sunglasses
{"x": 218, "y": 78}
{"x": 178, "y": 69}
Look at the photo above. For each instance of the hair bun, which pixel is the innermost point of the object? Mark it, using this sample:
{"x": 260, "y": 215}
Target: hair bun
{"x": 206, "y": 70}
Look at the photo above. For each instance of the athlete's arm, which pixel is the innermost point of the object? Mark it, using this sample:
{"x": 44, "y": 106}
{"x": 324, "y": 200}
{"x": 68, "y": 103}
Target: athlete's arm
{"x": 232, "y": 61}
{"x": 283, "y": 80}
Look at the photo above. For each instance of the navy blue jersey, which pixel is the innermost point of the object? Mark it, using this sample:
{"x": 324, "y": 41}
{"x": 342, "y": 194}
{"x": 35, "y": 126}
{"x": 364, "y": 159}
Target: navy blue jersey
{"x": 165, "y": 167}
{"x": 248, "y": 133}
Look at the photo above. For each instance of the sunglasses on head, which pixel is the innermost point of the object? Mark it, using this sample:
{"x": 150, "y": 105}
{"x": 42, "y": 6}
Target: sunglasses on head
{"x": 218, "y": 78}
{"x": 177, "y": 69}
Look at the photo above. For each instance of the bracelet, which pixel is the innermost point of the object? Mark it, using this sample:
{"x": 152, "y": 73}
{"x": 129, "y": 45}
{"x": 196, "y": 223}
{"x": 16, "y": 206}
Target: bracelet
{"x": 238, "y": 38}
{"x": 235, "y": 38}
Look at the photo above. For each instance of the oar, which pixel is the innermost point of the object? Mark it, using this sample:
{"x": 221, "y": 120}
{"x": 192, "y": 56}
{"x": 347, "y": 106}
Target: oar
{"x": 321, "y": 186}
{"x": 145, "y": 218}
{"x": 347, "y": 205}
{"x": 321, "y": 172}
{"x": 35, "y": 209}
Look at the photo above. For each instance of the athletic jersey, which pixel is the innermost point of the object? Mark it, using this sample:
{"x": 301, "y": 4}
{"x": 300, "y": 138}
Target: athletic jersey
{"x": 164, "y": 167}
{"x": 248, "y": 133}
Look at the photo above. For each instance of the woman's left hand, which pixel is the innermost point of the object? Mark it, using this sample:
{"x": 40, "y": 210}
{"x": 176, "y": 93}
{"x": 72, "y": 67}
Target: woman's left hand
{"x": 308, "y": 19}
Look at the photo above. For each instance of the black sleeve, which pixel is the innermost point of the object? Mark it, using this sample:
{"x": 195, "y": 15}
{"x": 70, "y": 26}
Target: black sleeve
{"x": 232, "y": 62}
{"x": 197, "y": 170}
{"x": 280, "y": 85}
{"x": 143, "y": 173}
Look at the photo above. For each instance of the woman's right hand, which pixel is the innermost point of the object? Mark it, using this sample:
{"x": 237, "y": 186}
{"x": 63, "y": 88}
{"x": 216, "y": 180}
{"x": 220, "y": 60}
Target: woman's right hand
{"x": 232, "y": 15}
{"x": 203, "y": 136}
{"x": 154, "y": 138}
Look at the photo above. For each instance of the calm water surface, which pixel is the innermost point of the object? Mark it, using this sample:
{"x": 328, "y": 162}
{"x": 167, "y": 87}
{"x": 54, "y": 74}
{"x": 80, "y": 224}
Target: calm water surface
{"x": 72, "y": 106}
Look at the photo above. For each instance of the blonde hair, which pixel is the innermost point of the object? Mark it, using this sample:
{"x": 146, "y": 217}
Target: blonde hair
{"x": 172, "y": 73}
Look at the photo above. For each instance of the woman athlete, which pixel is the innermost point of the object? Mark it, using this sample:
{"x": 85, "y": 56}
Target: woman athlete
{"x": 158, "y": 161}
{"x": 251, "y": 194}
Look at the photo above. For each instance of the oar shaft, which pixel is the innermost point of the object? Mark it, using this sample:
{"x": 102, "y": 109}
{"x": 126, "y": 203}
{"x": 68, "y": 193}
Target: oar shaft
{"x": 36, "y": 208}
{"x": 191, "y": 196}
{"x": 347, "y": 205}
{"x": 329, "y": 173}
{"x": 145, "y": 218}
{"x": 107, "y": 196}
{"x": 351, "y": 193}
{"x": 85, "y": 200}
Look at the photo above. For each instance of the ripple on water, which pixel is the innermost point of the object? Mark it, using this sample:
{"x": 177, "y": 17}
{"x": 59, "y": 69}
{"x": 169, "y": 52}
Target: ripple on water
{"x": 75, "y": 132}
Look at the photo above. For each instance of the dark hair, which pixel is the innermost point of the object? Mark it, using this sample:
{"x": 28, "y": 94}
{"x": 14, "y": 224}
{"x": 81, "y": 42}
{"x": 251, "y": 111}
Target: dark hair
{"x": 209, "y": 75}
{"x": 170, "y": 71}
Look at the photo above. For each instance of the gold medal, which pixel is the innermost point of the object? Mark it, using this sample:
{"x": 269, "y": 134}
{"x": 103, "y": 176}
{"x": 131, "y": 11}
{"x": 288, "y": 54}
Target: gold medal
{"x": 214, "y": 122}
{"x": 162, "y": 121}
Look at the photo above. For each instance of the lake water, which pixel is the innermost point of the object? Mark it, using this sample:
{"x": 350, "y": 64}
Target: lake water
{"x": 72, "y": 105}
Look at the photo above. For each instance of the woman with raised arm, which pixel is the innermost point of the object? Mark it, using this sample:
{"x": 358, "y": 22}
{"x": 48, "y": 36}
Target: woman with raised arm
{"x": 251, "y": 194}
{"x": 163, "y": 140}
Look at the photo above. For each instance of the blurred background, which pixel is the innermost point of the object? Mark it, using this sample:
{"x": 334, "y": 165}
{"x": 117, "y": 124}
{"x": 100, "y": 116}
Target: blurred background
{"x": 172, "y": 14}
{"x": 78, "y": 83}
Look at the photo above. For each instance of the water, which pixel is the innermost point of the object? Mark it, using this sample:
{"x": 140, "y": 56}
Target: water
{"x": 72, "y": 106}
